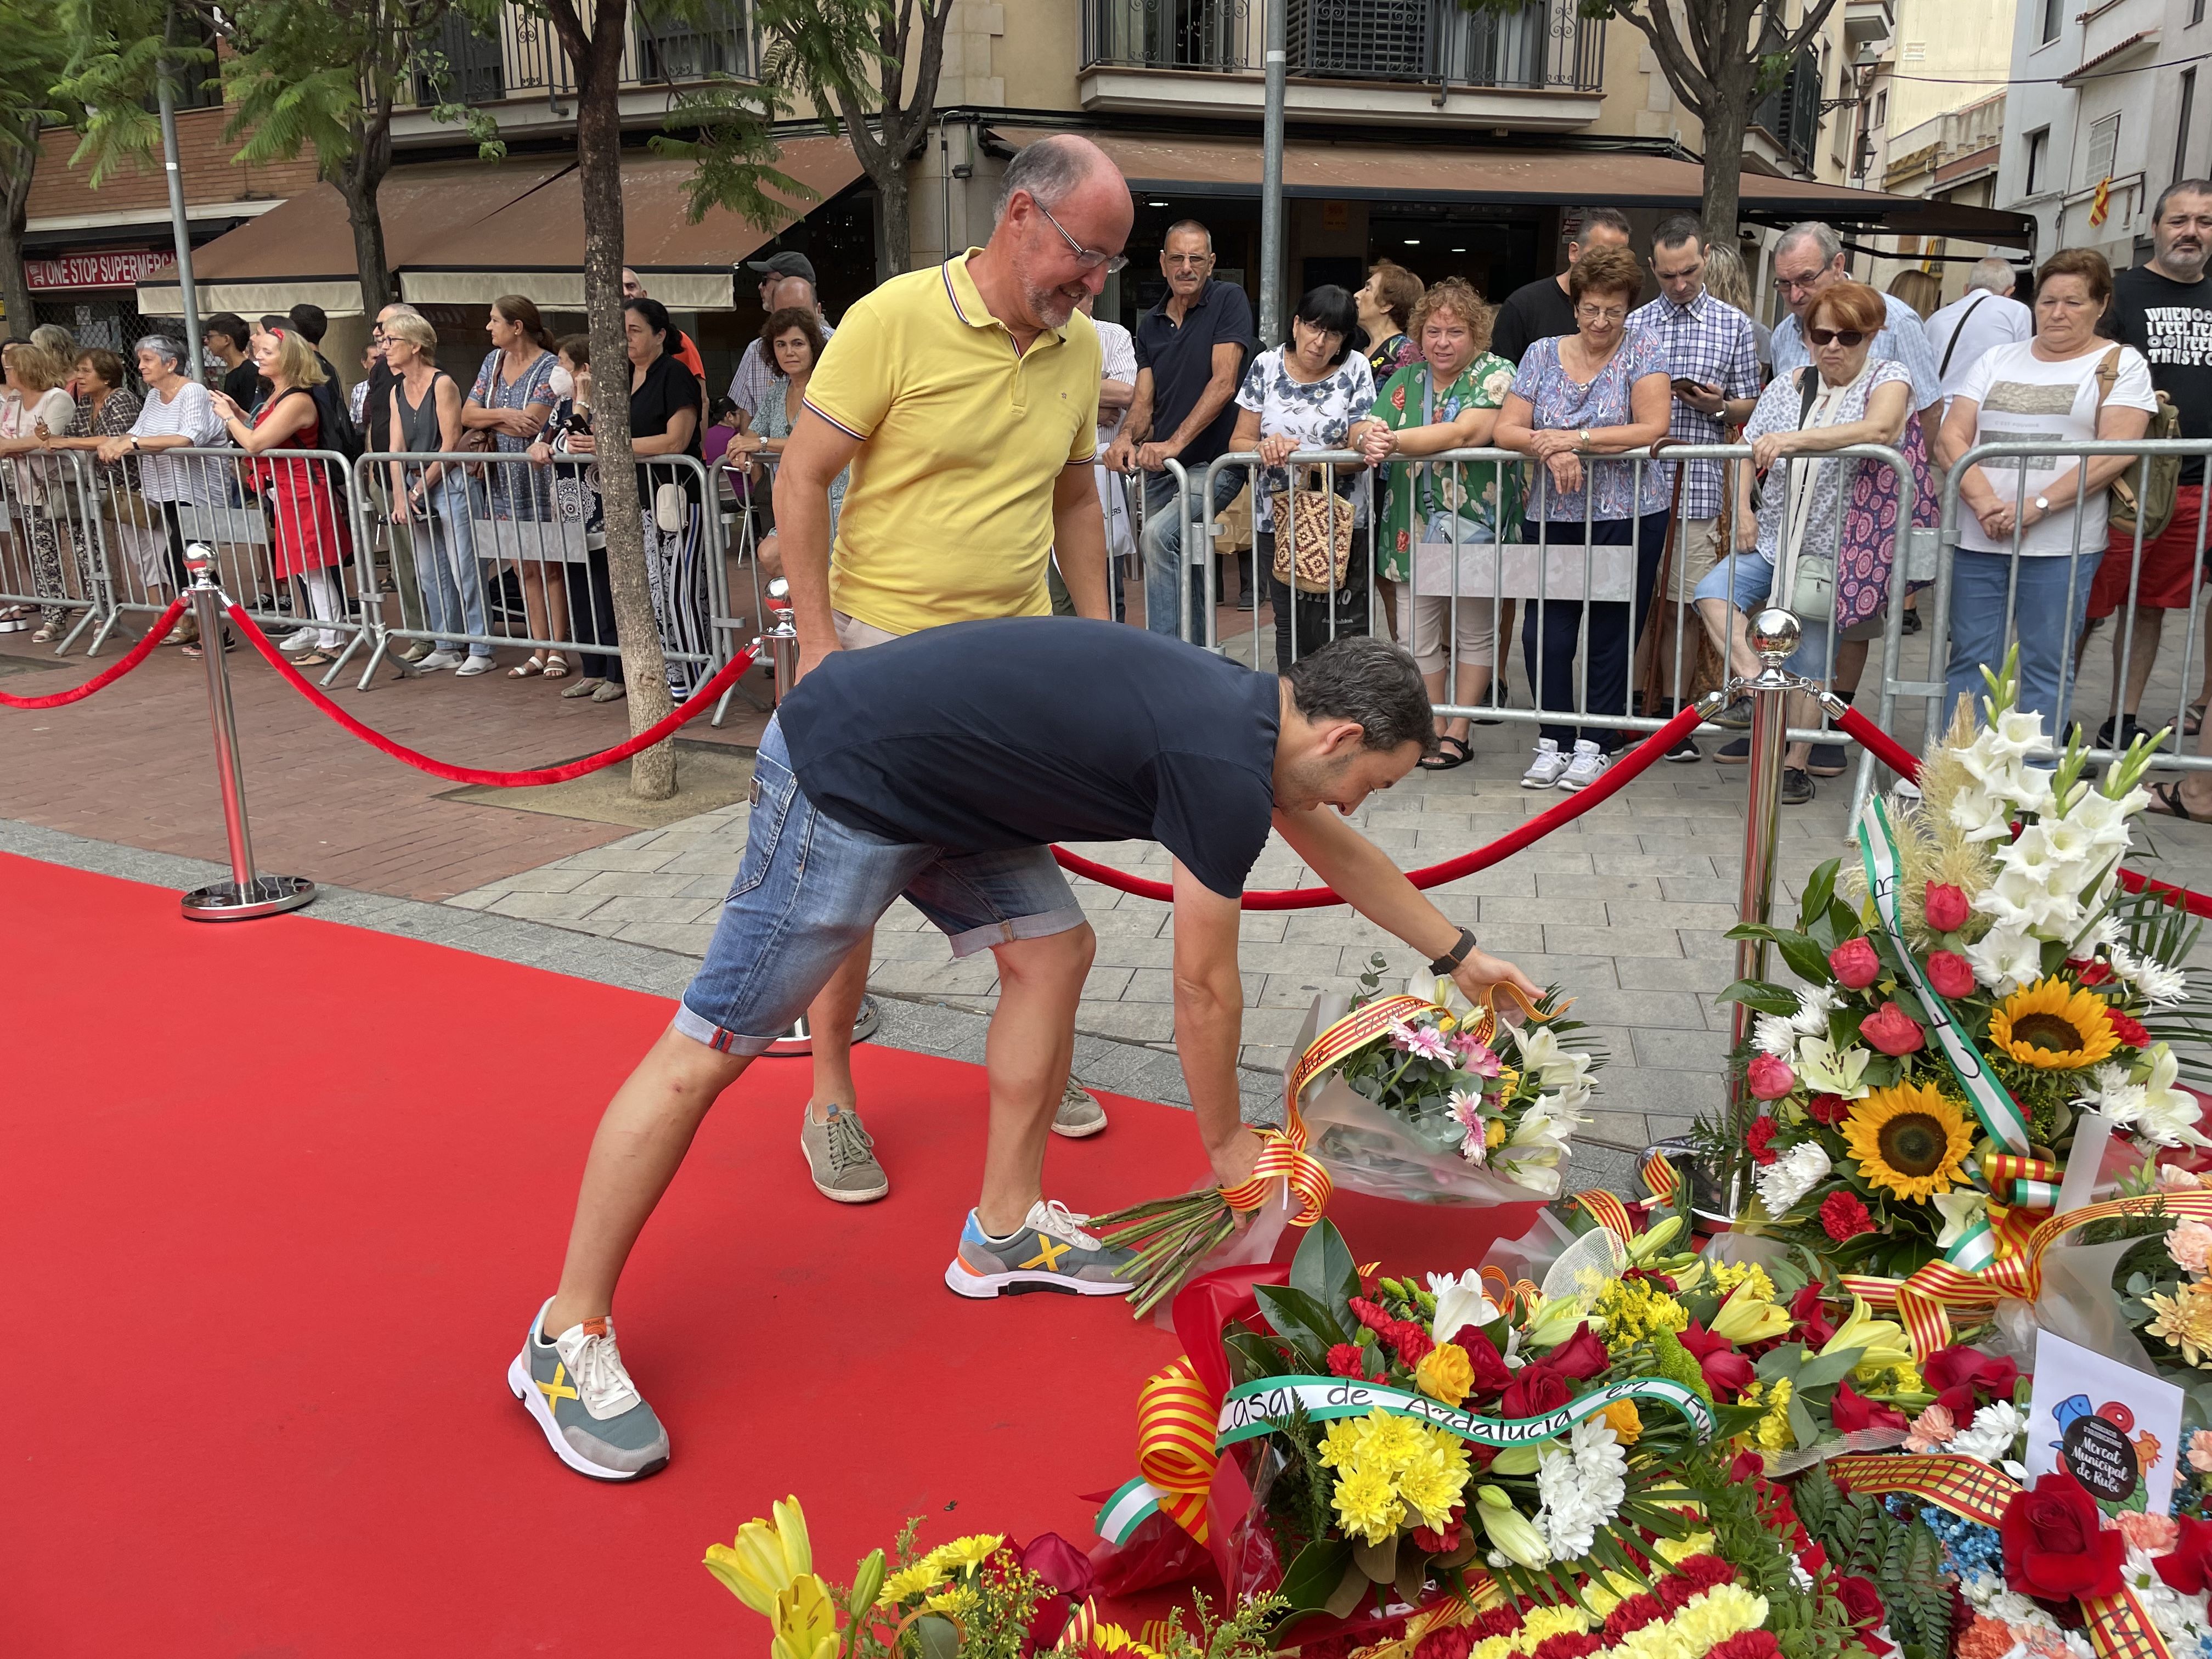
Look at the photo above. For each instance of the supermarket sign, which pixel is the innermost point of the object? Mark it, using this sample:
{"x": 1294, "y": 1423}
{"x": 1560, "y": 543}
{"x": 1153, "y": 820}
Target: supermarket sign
{"x": 122, "y": 269}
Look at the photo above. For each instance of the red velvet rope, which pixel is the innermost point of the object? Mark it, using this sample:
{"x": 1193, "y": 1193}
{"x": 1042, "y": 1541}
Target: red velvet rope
{"x": 1894, "y": 756}
{"x": 114, "y": 672}
{"x": 700, "y": 701}
{"x": 1623, "y": 772}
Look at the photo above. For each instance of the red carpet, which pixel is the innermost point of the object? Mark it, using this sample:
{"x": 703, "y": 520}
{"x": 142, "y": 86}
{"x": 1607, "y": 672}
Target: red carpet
{"x": 282, "y": 1197}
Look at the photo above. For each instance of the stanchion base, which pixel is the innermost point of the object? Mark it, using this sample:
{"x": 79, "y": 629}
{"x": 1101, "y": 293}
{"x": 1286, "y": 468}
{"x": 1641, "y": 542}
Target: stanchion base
{"x": 799, "y": 1039}
{"x": 268, "y": 896}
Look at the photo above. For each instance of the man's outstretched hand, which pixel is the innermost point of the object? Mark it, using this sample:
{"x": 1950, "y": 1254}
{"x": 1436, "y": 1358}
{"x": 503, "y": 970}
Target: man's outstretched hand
{"x": 1233, "y": 1159}
{"x": 1479, "y": 972}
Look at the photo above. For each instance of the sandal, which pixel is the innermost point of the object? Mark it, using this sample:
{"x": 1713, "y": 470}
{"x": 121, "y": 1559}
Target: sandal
{"x": 1444, "y": 759}
{"x": 48, "y": 633}
{"x": 316, "y": 657}
{"x": 556, "y": 667}
{"x": 2165, "y": 802}
{"x": 2195, "y": 723}
{"x": 523, "y": 670}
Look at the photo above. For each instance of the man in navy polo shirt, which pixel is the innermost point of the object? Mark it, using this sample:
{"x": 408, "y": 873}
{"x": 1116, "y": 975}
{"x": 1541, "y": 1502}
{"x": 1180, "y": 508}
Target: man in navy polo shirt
{"x": 1191, "y": 349}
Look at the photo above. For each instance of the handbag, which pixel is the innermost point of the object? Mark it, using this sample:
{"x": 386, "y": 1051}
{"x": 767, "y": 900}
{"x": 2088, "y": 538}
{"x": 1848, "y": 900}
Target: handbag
{"x": 2158, "y": 477}
{"x": 671, "y": 508}
{"x": 1313, "y": 538}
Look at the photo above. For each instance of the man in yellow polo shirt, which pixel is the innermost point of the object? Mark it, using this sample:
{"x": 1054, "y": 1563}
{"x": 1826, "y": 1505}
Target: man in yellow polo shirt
{"x": 964, "y": 397}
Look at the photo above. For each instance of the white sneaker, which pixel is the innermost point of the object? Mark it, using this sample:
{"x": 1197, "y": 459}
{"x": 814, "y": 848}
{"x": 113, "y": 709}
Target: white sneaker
{"x": 1582, "y": 771}
{"x": 298, "y": 641}
{"x": 438, "y": 659}
{"x": 483, "y": 665}
{"x": 1544, "y": 771}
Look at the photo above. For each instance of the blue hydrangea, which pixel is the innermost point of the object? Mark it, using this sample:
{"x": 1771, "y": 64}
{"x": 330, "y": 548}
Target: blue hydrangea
{"x": 1969, "y": 1547}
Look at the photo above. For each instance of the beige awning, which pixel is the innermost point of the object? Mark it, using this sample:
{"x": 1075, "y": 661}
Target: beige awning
{"x": 250, "y": 299}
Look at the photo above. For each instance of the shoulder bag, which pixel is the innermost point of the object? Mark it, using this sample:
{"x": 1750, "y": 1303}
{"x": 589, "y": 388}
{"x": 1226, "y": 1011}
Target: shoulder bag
{"x": 2147, "y": 491}
{"x": 1313, "y": 535}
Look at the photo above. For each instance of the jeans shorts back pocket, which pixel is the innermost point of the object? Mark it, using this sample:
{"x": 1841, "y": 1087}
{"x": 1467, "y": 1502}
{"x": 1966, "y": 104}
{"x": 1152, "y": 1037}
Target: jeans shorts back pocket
{"x": 774, "y": 791}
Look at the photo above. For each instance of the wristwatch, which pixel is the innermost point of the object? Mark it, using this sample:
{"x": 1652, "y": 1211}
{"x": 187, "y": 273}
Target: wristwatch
{"x": 1452, "y": 958}
{"x": 1584, "y": 437}
{"x": 2042, "y": 505}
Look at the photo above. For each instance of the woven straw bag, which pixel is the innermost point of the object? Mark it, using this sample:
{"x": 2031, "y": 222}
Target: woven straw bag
{"x": 1313, "y": 537}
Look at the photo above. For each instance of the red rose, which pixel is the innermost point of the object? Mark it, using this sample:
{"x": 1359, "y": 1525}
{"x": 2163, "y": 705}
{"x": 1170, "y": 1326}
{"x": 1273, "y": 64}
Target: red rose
{"x": 1726, "y": 1372}
{"x": 1964, "y": 1378}
{"x": 1748, "y": 1644}
{"x": 1747, "y": 1466}
{"x": 1855, "y": 964}
{"x": 1580, "y": 1358}
{"x": 1843, "y": 1216}
{"x": 1951, "y": 974}
{"x": 2055, "y": 1545}
{"x": 1861, "y": 1599}
{"x": 2095, "y": 971}
{"x": 1828, "y": 1110}
{"x": 2189, "y": 1568}
{"x": 1946, "y": 907}
{"x": 1892, "y": 1030}
{"x": 1813, "y": 1326}
{"x": 1491, "y": 1374}
{"x": 1346, "y": 1359}
{"x": 1536, "y": 1389}
{"x": 1762, "y": 1131}
{"x": 1850, "y": 1410}
{"x": 2128, "y": 1029}
{"x": 1770, "y": 1076}
{"x": 1410, "y": 1340}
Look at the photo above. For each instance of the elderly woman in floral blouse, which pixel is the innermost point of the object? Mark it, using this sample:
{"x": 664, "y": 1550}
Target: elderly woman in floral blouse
{"x": 1451, "y": 401}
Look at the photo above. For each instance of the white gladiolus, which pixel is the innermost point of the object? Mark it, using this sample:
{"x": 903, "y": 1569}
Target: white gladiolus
{"x": 2006, "y": 958}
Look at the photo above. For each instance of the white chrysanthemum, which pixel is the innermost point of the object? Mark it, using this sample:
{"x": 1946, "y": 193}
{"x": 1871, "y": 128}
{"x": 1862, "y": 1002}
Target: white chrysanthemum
{"x": 1792, "y": 1175}
{"x": 1815, "y": 1004}
{"x": 1774, "y": 1033}
{"x": 1992, "y": 1433}
{"x": 1580, "y": 1489}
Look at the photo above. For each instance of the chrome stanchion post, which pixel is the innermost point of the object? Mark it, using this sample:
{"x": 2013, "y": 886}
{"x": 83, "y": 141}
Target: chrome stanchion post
{"x": 244, "y": 894}
{"x": 1774, "y": 634}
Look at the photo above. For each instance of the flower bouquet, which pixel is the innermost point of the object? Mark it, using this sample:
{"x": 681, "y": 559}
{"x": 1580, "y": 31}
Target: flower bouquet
{"x": 1419, "y": 1096}
{"x": 1972, "y": 988}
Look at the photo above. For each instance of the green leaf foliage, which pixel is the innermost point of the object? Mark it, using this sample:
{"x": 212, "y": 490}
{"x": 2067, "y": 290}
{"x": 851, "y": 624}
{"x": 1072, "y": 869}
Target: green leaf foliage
{"x": 1324, "y": 1270}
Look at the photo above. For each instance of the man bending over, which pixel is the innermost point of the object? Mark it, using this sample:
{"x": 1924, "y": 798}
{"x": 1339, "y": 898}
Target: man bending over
{"x": 941, "y": 766}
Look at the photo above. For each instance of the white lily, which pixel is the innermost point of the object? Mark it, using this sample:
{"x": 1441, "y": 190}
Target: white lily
{"x": 2006, "y": 958}
{"x": 1827, "y": 1070}
{"x": 1542, "y": 1057}
{"x": 2169, "y": 1116}
{"x": 1963, "y": 1208}
{"x": 1460, "y": 1301}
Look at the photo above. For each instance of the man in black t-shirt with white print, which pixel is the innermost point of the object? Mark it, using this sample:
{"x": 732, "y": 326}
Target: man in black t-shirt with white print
{"x": 941, "y": 766}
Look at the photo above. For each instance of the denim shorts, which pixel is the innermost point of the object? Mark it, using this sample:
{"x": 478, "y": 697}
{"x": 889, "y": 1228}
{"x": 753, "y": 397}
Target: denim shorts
{"x": 809, "y": 890}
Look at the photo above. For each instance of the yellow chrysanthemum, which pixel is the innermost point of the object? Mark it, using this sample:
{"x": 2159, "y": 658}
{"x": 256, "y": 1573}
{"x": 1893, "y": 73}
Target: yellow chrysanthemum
{"x": 1389, "y": 1444}
{"x": 1341, "y": 1445}
{"x": 1775, "y": 1433}
{"x": 2185, "y": 1320}
{"x": 2055, "y": 1025}
{"x": 1430, "y": 1487}
{"x": 907, "y": 1582}
{"x": 1910, "y": 1141}
{"x": 962, "y": 1553}
{"x": 1366, "y": 1503}
{"x": 1728, "y": 1275}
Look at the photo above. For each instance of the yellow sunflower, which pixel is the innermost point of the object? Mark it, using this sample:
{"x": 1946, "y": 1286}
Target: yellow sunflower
{"x": 2054, "y": 1026}
{"x": 1909, "y": 1139}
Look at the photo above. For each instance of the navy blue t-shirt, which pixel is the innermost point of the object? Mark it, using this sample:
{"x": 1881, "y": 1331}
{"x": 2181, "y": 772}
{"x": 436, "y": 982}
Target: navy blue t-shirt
{"x": 986, "y": 736}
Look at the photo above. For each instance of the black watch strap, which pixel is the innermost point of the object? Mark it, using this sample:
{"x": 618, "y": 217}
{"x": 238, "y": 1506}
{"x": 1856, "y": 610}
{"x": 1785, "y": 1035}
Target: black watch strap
{"x": 1452, "y": 958}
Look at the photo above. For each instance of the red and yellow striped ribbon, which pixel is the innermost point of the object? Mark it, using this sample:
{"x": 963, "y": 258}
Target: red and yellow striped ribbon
{"x": 1608, "y": 1211}
{"x": 2119, "y": 1627}
{"x": 2021, "y": 1180}
{"x": 1663, "y": 1181}
{"x": 1284, "y": 1157}
{"x": 1924, "y": 1301}
{"x": 1175, "y": 1424}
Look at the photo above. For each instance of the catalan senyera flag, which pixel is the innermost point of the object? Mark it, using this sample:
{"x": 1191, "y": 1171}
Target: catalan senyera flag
{"x": 2100, "y": 204}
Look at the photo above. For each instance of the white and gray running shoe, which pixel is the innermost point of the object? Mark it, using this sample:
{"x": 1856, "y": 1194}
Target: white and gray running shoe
{"x": 1050, "y": 1252}
{"x": 577, "y": 1389}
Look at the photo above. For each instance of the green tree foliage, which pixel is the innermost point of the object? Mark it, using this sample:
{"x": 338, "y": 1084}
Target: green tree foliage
{"x": 33, "y": 62}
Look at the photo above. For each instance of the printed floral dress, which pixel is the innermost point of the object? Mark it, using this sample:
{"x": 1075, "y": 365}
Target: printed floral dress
{"x": 1419, "y": 496}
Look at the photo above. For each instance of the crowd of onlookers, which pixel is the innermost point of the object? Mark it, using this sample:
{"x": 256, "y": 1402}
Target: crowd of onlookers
{"x": 1576, "y": 379}
{"x": 1571, "y": 379}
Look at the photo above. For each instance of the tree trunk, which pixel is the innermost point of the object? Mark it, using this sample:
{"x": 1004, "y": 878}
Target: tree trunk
{"x": 15, "y": 203}
{"x": 1726, "y": 114}
{"x": 898, "y": 233}
{"x": 599, "y": 155}
{"x": 360, "y": 177}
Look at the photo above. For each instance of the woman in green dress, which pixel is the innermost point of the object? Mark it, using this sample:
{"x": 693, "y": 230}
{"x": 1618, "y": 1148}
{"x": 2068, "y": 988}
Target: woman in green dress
{"x": 1449, "y": 401}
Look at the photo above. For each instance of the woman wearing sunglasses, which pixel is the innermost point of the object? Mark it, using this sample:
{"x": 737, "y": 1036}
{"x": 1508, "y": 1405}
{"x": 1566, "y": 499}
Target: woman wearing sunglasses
{"x": 1783, "y": 501}
{"x": 2040, "y": 516}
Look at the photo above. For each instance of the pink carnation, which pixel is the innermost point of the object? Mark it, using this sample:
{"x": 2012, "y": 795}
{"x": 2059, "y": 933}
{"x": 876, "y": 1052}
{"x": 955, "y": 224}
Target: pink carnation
{"x": 1932, "y": 1429}
{"x": 2200, "y": 1451}
{"x": 2190, "y": 1244}
{"x": 2154, "y": 1534}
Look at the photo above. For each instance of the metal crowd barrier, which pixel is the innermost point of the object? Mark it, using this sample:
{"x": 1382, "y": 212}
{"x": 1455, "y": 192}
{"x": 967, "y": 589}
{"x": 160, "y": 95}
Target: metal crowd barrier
{"x": 1469, "y": 570}
{"x": 498, "y": 556}
{"x": 53, "y": 566}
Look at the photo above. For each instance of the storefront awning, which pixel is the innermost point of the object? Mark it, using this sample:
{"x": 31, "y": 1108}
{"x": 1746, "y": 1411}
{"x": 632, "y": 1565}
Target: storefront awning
{"x": 464, "y": 233}
{"x": 1620, "y": 178}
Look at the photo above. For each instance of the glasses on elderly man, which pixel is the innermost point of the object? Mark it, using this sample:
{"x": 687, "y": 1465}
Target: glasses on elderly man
{"x": 1088, "y": 258}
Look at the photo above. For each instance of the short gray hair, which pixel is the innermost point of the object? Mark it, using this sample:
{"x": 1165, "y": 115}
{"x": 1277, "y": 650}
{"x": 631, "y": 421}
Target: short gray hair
{"x": 397, "y": 308}
{"x": 161, "y": 346}
{"x": 1048, "y": 170}
{"x": 1994, "y": 274}
{"x": 1820, "y": 235}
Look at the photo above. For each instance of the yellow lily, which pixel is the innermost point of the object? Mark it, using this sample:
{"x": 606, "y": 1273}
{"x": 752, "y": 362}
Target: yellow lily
{"x": 1745, "y": 1317}
{"x": 805, "y": 1621}
{"x": 1645, "y": 1245}
{"x": 765, "y": 1557}
{"x": 1554, "y": 1319}
{"x": 1881, "y": 1341}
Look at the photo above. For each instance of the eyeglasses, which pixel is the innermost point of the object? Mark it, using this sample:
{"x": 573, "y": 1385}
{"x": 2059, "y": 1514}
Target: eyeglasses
{"x": 1600, "y": 313}
{"x": 1798, "y": 284}
{"x": 1086, "y": 258}
{"x": 1845, "y": 337}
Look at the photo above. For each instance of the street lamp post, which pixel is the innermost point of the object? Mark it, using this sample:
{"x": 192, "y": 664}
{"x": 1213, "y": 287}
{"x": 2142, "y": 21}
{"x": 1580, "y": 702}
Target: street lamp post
{"x": 1271, "y": 179}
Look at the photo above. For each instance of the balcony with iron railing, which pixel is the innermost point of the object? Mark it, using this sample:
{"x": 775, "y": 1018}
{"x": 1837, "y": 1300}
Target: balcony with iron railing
{"x": 1790, "y": 114}
{"x": 1136, "y": 52}
{"x": 522, "y": 58}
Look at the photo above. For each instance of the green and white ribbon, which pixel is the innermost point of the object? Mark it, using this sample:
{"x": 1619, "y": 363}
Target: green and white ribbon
{"x": 1269, "y": 1403}
{"x": 1127, "y": 1508}
{"x": 1993, "y": 1104}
